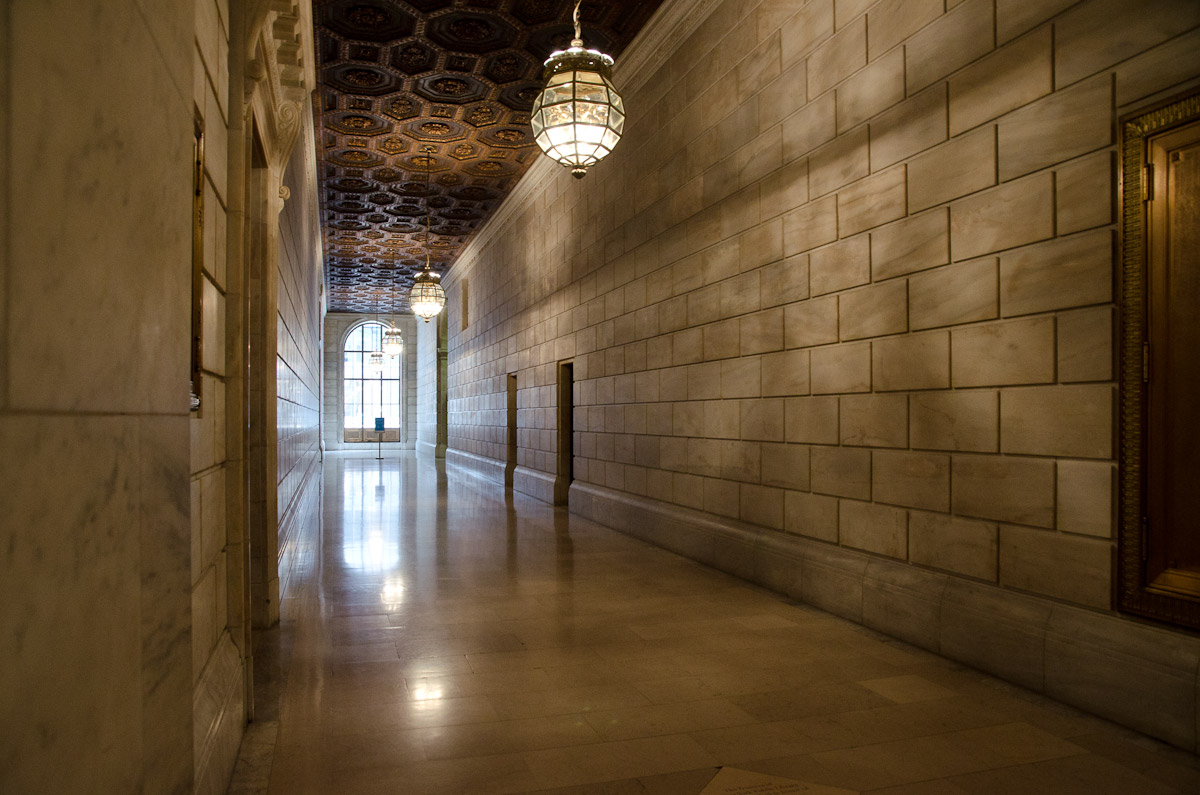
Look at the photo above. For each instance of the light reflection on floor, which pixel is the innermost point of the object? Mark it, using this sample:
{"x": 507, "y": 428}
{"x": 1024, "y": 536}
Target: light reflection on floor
{"x": 451, "y": 638}
{"x": 370, "y": 504}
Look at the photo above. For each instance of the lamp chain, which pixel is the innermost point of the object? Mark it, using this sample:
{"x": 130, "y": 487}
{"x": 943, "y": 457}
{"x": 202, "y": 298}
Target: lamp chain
{"x": 428, "y": 223}
{"x": 578, "y": 34}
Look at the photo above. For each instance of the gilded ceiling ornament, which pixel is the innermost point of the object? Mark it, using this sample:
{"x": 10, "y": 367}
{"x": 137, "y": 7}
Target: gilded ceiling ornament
{"x": 393, "y": 145}
{"x": 484, "y": 114}
{"x": 362, "y": 77}
{"x": 411, "y": 57}
{"x": 506, "y": 67}
{"x": 473, "y": 30}
{"x": 403, "y": 107}
{"x": 366, "y": 16}
{"x": 451, "y": 85}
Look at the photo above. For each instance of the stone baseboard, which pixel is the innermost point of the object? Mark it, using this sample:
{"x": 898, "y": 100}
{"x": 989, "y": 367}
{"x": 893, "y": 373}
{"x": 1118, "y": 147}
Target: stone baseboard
{"x": 304, "y": 508}
{"x": 1138, "y": 675}
{"x": 484, "y": 467}
{"x": 430, "y": 450}
{"x": 219, "y": 717}
{"x": 535, "y": 483}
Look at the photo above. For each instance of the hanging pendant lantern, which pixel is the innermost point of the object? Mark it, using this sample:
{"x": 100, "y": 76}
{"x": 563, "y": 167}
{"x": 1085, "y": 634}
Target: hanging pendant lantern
{"x": 393, "y": 342}
{"x": 427, "y": 297}
{"x": 578, "y": 117}
{"x": 375, "y": 362}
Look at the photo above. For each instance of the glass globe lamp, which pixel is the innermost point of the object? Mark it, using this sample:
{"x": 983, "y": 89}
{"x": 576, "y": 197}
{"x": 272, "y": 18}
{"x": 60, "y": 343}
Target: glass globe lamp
{"x": 578, "y": 117}
{"x": 427, "y": 296}
{"x": 393, "y": 342}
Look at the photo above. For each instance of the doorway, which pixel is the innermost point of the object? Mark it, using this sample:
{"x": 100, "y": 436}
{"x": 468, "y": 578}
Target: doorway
{"x": 443, "y": 387}
{"x": 566, "y": 432}
{"x": 1160, "y": 377}
{"x": 510, "y": 463}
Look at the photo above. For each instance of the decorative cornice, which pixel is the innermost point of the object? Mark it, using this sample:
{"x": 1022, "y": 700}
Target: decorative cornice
{"x": 281, "y": 73}
{"x": 670, "y": 26}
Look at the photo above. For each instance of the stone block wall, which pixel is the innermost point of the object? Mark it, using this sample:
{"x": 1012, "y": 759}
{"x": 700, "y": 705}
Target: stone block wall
{"x": 847, "y": 280}
{"x": 217, "y": 667}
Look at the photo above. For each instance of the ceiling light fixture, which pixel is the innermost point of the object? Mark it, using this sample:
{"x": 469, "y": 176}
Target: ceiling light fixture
{"x": 578, "y": 117}
{"x": 427, "y": 296}
{"x": 393, "y": 341}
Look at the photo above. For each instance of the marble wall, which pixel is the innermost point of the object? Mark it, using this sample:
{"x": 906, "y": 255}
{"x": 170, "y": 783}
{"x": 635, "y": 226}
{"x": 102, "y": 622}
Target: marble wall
{"x": 95, "y": 263}
{"x": 844, "y": 287}
{"x": 427, "y": 384}
{"x": 123, "y": 660}
{"x": 298, "y": 351}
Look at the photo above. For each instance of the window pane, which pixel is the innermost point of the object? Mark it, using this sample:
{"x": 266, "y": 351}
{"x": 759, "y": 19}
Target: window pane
{"x": 352, "y": 365}
{"x": 370, "y": 405}
{"x": 354, "y": 341}
{"x": 353, "y": 409}
{"x": 391, "y": 367}
{"x": 371, "y": 336}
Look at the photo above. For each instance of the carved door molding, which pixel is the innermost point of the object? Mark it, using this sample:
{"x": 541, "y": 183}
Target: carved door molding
{"x": 1149, "y": 583}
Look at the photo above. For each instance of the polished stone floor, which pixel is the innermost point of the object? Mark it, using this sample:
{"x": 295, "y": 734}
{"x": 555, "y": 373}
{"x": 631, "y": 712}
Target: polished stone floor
{"x": 440, "y": 636}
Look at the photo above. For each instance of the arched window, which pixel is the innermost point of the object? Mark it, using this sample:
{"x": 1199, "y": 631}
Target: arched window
{"x": 367, "y": 395}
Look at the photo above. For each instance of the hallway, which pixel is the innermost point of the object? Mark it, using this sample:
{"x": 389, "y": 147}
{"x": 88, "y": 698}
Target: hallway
{"x": 484, "y": 643}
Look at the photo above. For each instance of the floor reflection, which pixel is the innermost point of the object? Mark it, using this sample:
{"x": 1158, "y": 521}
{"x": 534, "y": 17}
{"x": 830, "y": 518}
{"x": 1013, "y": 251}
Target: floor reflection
{"x": 454, "y": 638}
{"x": 370, "y": 509}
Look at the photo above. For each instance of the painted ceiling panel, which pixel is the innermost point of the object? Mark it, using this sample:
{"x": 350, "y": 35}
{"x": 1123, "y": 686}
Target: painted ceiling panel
{"x": 423, "y": 106}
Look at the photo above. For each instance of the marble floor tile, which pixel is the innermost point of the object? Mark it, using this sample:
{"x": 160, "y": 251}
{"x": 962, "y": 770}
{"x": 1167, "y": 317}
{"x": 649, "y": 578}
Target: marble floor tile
{"x": 907, "y": 689}
{"x": 455, "y": 639}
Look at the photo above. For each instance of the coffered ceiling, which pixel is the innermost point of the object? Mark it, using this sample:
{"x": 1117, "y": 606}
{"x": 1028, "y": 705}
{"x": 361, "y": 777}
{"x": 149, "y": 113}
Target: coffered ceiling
{"x": 426, "y": 103}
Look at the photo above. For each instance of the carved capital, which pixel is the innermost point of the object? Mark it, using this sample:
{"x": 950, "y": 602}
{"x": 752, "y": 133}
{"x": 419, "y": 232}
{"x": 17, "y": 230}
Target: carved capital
{"x": 256, "y": 72}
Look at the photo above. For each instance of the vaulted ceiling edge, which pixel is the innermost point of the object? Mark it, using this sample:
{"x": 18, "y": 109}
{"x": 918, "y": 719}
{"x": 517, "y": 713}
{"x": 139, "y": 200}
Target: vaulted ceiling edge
{"x": 423, "y": 107}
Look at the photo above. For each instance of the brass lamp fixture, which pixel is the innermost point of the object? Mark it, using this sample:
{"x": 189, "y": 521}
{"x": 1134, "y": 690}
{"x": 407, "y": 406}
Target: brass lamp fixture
{"x": 427, "y": 298}
{"x": 578, "y": 117}
{"x": 393, "y": 342}
{"x": 375, "y": 362}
